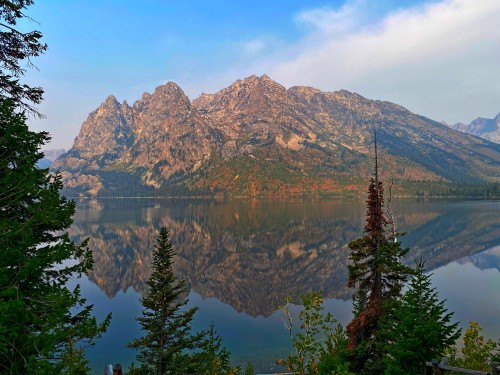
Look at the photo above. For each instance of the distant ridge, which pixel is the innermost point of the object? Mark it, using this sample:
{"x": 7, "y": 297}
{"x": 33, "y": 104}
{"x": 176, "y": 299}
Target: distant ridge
{"x": 49, "y": 156}
{"x": 482, "y": 127}
{"x": 256, "y": 137}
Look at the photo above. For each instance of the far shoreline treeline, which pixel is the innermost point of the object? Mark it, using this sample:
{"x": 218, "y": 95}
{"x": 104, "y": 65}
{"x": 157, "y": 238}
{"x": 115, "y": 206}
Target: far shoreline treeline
{"x": 481, "y": 191}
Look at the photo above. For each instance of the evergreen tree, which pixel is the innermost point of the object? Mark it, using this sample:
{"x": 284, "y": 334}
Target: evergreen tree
{"x": 43, "y": 325}
{"x": 420, "y": 329}
{"x": 165, "y": 347}
{"x": 17, "y": 46}
{"x": 249, "y": 370}
{"x": 377, "y": 272}
{"x": 213, "y": 357}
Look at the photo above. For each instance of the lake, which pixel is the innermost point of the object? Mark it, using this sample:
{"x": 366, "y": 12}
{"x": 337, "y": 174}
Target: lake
{"x": 242, "y": 259}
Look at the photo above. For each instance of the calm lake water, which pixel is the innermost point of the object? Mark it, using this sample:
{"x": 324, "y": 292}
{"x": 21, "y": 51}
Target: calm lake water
{"x": 242, "y": 259}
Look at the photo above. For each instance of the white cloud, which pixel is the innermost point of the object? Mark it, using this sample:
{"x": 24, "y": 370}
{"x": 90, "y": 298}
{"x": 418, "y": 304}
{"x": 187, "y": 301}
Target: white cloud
{"x": 253, "y": 47}
{"x": 329, "y": 20}
{"x": 441, "y": 59}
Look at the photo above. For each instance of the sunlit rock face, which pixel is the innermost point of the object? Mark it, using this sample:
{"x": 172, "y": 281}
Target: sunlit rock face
{"x": 256, "y": 137}
{"x": 160, "y": 135}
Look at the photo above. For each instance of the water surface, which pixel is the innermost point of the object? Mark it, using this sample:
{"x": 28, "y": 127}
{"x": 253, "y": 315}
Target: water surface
{"x": 242, "y": 259}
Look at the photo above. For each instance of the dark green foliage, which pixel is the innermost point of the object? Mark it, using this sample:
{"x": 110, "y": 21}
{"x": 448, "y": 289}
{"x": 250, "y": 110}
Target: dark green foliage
{"x": 496, "y": 355}
{"x": 378, "y": 274}
{"x": 43, "y": 325}
{"x": 213, "y": 358}
{"x": 335, "y": 359}
{"x": 165, "y": 347}
{"x": 18, "y": 46}
{"x": 249, "y": 370}
{"x": 419, "y": 329}
{"x": 132, "y": 370}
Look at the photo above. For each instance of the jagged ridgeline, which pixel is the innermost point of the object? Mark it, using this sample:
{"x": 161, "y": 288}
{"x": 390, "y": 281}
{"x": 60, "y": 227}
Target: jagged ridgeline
{"x": 257, "y": 138}
{"x": 487, "y": 128}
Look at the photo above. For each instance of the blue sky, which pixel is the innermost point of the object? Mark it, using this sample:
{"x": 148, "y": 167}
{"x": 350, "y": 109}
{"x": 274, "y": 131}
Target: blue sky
{"x": 437, "y": 58}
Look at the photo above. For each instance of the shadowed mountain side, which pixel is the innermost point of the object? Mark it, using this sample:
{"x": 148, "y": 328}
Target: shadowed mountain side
{"x": 252, "y": 255}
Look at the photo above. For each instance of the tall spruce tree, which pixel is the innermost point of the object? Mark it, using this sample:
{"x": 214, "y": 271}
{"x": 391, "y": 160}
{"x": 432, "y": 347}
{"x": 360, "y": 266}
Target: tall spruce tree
{"x": 166, "y": 347}
{"x": 43, "y": 324}
{"x": 420, "y": 328}
{"x": 378, "y": 274}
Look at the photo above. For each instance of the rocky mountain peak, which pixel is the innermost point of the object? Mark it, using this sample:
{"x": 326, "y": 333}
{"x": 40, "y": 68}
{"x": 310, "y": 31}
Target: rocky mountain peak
{"x": 168, "y": 134}
{"x": 110, "y": 100}
{"x": 166, "y": 100}
{"x": 105, "y": 133}
{"x": 250, "y": 95}
{"x": 109, "y": 106}
{"x": 486, "y": 125}
{"x": 255, "y": 81}
{"x": 171, "y": 90}
{"x": 262, "y": 84}
{"x": 160, "y": 131}
{"x": 482, "y": 127}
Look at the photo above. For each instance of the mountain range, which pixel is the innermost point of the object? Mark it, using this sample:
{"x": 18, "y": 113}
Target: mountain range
{"x": 256, "y": 137}
{"x": 487, "y": 128}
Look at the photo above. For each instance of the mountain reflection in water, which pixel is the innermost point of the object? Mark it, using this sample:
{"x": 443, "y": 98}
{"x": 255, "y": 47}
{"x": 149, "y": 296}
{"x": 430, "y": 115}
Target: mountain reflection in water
{"x": 253, "y": 254}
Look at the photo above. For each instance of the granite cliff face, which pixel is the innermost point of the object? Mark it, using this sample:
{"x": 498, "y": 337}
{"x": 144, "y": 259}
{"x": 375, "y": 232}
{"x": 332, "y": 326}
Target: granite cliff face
{"x": 256, "y": 137}
{"x": 160, "y": 135}
{"x": 482, "y": 127}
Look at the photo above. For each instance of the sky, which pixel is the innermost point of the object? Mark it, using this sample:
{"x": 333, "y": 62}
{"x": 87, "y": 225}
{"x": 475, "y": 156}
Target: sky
{"x": 438, "y": 58}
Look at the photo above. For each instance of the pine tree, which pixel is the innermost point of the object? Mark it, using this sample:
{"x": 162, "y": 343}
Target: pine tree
{"x": 43, "y": 325}
{"x": 213, "y": 356}
{"x": 165, "y": 347}
{"x": 378, "y": 274}
{"x": 249, "y": 370}
{"x": 420, "y": 329}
